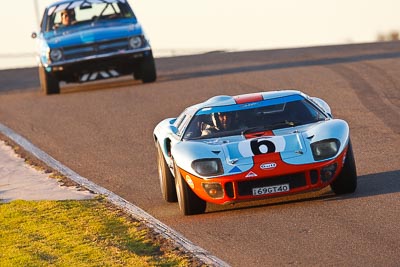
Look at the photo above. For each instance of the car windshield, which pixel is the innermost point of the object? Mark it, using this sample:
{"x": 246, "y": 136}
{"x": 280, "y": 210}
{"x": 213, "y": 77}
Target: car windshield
{"x": 71, "y": 13}
{"x": 251, "y": 118}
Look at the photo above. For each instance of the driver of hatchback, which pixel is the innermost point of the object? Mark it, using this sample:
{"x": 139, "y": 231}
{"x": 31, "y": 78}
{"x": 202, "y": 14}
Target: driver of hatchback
{"x": 67, "y": 17}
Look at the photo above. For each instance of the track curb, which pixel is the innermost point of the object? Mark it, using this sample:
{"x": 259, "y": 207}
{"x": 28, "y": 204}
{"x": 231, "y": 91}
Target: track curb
{"x": 136, "y": 212}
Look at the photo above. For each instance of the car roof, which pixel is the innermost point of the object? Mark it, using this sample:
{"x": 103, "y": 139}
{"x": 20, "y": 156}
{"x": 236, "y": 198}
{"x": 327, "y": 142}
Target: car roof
{"x": 58, "y": 6}
{"x": 224, "y": 100}
{"x": 60, "y": 2}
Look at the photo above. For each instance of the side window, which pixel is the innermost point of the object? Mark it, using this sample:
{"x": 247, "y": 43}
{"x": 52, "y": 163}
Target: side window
{"x": 314, "y": 113}
{"x": 183, "y": 124}
{"x": 303, "y": 112}
{"x": 179, "y": 120}
{"x": 126, "y": 11}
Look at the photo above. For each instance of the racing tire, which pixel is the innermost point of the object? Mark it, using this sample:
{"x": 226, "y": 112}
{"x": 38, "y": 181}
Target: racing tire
{"x": 48, "y": 83}
{"x": 167, "y": 181}
{"x": 136, "y": 75}
{"x": 346, "y": 182}
{"x": 189, "y": 202}
{"x": 148, "y": 72}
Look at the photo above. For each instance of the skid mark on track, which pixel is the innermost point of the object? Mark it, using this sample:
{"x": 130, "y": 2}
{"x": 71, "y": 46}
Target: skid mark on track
{"x": 379, "y": 101}
{"x": 389, "y": 89}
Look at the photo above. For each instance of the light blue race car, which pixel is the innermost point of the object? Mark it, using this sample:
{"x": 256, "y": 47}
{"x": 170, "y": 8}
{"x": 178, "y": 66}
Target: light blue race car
{"x": 88, "y": 40}
{"x": 254, "y": 146}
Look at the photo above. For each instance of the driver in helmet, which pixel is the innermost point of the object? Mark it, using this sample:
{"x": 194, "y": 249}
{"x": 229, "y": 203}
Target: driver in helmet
{"x": 222, "y": 122}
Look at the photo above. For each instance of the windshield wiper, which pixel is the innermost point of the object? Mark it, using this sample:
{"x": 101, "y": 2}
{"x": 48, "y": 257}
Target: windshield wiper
{"x": 216, "y": 135}
{"x": 268, "y": 127}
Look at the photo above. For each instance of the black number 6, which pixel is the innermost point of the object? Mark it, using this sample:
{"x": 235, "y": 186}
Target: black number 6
{"x": 256, "y": 145}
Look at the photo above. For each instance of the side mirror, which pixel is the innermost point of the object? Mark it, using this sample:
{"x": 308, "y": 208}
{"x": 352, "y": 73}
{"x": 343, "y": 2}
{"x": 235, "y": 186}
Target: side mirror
{"x": 34, "y": 35}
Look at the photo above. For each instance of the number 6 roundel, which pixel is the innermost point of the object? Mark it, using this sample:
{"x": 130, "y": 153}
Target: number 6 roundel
{"x": 259, "y": 146}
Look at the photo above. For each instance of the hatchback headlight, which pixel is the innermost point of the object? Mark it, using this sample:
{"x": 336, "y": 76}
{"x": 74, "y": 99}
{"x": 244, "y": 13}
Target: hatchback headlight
{"x": 56, "y": 55}
{"x": 325, "y": 149}
{"x": 135, "y": 42}
{"x": 208, "y": 167}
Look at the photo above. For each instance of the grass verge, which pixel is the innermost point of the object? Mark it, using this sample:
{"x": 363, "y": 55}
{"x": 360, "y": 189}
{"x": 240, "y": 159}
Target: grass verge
{"x": 78, "y": 233}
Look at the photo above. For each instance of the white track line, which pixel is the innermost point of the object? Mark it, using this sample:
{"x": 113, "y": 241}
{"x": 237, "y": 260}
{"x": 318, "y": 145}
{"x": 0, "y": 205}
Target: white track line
{"x": 134, "y": 211}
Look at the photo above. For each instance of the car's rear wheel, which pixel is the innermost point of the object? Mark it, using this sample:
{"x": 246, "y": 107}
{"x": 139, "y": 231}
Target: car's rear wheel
{"x": 189, "y": 202}
{"x": 346, "y": 182}
{"x": 167, "y": 181}
{"x": 48, "y": 83}
{"x": 147, "y": 71}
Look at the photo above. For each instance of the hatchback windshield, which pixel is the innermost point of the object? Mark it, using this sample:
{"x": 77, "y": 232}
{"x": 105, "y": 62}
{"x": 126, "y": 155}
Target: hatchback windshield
{"x": 251, "y": 118}
{"x": 85, "y": 11}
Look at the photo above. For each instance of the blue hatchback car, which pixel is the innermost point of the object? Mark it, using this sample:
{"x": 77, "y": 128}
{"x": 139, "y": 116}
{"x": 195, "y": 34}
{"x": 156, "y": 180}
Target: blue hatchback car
{"x": 87, "y": 40}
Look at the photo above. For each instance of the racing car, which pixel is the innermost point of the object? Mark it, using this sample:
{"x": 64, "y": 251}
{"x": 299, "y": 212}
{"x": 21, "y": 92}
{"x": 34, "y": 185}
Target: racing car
{"x": 230, "y": 149}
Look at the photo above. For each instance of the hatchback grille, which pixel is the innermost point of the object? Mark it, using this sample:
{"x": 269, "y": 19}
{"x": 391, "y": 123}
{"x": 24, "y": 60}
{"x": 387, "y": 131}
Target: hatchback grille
{"x": 94, "y": 49}
{"x": 294, "y": 181}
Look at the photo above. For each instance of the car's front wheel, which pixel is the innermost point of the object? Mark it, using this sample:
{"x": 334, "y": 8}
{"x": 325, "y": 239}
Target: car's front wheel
{"x": 346, "y": 182}
{"x": 148, "y": 69}
{"x": 167, "y": 181}
{"x": 48, "y": 83}
{"x": 189, "y": 202}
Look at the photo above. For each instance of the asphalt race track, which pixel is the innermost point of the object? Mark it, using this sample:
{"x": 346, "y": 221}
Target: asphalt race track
{"x": 103, "y": 131}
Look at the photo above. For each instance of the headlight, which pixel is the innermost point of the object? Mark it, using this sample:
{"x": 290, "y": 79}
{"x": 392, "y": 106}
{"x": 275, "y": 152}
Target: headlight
{"x": 135, "y": 42}
{"x": 56, "y": 55}
{"x": 325, "y": 149}
{"x": 207, "y": 167}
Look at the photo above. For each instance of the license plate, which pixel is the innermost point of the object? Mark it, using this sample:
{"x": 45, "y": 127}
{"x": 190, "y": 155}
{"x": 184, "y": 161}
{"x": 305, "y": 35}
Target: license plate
{"x": 271, "y": 189}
